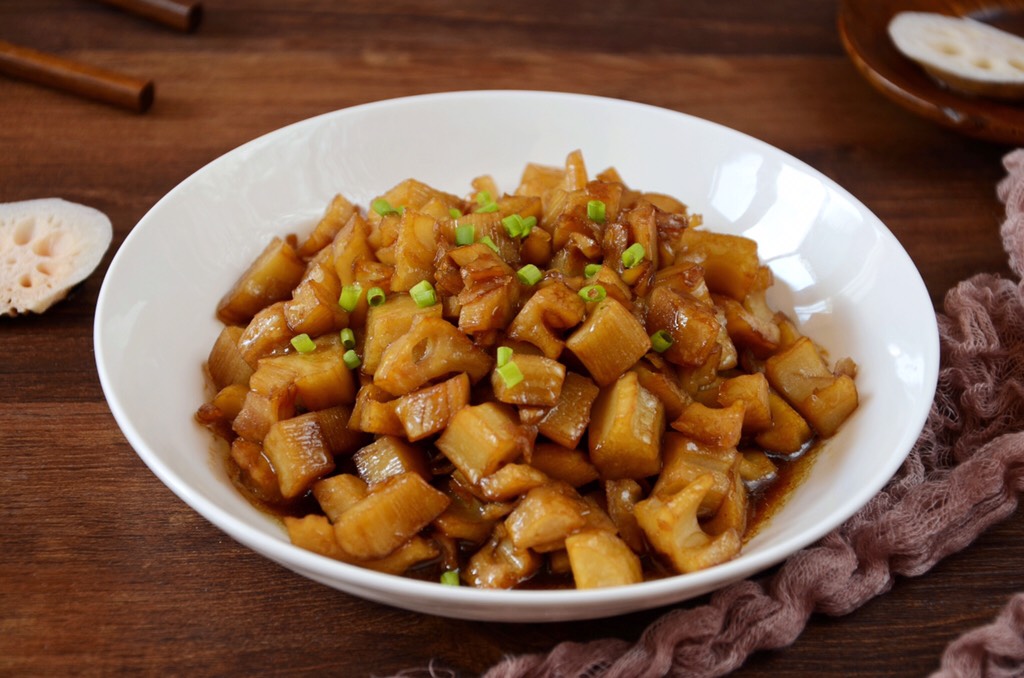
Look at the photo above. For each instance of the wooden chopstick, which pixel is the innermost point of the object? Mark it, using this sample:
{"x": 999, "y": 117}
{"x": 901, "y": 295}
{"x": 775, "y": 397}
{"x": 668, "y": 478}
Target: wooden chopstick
{"x": 78, "y": 78}
{"x": 184, "y": 16}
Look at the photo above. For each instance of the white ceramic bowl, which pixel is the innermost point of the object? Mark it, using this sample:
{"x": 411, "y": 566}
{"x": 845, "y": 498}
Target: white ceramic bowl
{"x": 839, "y": 271}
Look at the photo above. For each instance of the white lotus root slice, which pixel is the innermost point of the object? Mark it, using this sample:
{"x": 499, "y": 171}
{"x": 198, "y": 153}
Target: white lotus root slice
{"x": 967, "y": 55}
{"x": 47, "y": 247}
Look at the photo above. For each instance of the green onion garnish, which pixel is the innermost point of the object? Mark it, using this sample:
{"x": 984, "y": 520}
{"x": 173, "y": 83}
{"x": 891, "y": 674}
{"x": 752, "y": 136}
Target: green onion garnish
{"x": 528, "y": 224}
{"x": 351, "y": 359}
{"x": 486, "y": 202}
{"x": 465, "y": 234}
{"x": 450, "y": 578}
{"x": 633, "y": 255}
{"x": 350, "y": 296}
{"x": 513, "y": 224}
{"x": 596, "y": 211}
{"x": 375, "y": 296}
{"x": 510, "y": 374}
{"x": 490, "y": 243}
{"x": 454, "y": 212}
{"x": 591, "y": 270}
{"x": 382, "y": 207}
{"x": 423, "y": 294}
{"x": 504, "y": 355}
{"x": 348, "y": 338}
{"x": 661, "y": 340}
{"x": 303, "y": 344}
{"x": 593, "y": 293}
{"x": 529, "y": 275}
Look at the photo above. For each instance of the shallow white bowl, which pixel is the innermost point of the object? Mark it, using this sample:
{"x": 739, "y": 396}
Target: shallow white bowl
{"x": 839, "y": 272}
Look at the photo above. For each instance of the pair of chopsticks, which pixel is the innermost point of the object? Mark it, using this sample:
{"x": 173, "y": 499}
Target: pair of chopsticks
{"x": 93, "y": 82}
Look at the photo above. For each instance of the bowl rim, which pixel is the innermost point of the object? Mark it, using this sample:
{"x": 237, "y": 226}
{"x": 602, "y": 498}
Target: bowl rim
{"x": 362, "y": 581}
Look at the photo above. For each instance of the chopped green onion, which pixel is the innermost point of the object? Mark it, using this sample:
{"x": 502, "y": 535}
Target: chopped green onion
{"x": 504, "y": 355}
{"x": 510, "y": 374}
{"x": 303, "y": 344}
{"x": 528, "y": 224}
{"x": 513, "y": 224}
{"x": 382, "y": 207}
{"x": 454, "y": 212}
{"x": 596, "y": 211}
{"x": 350, "y": 296}
{"x": 401, "y": 210}
{"x": 423, "y": 294}
{"x": 465, "y": 234}
{"x": 529, "y": 275}
{"x": 591, "y": 270}
{"x": 486, "y": 202}
{"x": 450, "y": 578}
{"x": 351, "y": 359}
{"x": 633, "y": 255}
{"x": 348, "y": 338}
{"x": 490, "y": 243}
{"x": 375, "y": 296}
{"x": 661, "y": 340}
{"x": 593, "y": 293}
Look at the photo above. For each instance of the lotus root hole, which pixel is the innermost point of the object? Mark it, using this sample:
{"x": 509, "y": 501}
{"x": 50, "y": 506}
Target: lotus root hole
{"x": 23, "y": 231}
{"x": 983, "y": 64}
{"x": 25, "y": 281}
{"x": 44, "y": 268}
{"x": 948, "y": 48}
{"x": 43, "y": 247}
{"x": 1017, "y": 63}
{"x": 420, "y": 350}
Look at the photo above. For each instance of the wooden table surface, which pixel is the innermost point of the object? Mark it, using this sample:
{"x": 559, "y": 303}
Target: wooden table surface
{"x": 103, "y": 570}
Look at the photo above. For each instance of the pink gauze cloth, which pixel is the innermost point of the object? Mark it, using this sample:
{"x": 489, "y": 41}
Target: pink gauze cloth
{"x": 963, "y": 475}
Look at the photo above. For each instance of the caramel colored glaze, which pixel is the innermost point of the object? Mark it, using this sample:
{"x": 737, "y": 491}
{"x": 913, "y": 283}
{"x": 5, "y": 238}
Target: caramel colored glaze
{"x": 767, "y": 502}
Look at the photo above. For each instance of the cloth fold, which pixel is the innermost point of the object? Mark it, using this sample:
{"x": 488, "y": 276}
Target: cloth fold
{"x": 964, "y": 474}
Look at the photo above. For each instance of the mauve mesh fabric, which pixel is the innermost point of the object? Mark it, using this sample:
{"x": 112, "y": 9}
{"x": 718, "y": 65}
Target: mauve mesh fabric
{"x": 963, "y": 475}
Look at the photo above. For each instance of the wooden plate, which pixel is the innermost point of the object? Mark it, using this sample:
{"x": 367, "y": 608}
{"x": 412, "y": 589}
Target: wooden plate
{"x": 863, "y": 27}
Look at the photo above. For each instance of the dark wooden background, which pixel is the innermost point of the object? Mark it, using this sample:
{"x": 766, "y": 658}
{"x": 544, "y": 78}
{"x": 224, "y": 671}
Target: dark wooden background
{"x": 103, "y": 570}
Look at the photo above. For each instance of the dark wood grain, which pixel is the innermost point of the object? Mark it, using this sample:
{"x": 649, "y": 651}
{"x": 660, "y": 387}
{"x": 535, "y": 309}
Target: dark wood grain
{"x": 103, "y": 570}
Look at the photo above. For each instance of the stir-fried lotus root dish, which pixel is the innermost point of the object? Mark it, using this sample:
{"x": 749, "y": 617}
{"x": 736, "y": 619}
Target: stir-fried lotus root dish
{"x": 572, "y": 385}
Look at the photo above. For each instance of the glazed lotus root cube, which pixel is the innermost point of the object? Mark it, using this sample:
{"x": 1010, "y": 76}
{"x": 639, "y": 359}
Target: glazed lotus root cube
{"x": 692, "y": 324}
{"x": 255, "y": 472}
{"x": 546, "y": 516}
{"x": 752, "y": 391}
{"x": 800, "y": 374}
{"x": 389, "y": 321}
{"x": 730, "y": 262}
{"x": 389, "y": 456}
{"x": 337, "y": 214}
{"x": 511, "y": 481}
{"x": 266, "y": 334}
{"x": 298, "y": 452}
{"x": 789, "y": 431}
{"x": 260, "y": 412}
{"x": 567, "y": 421}
{"x": 392, "y": 513}
{"x": 500, "y": 564}
{"x": 541, "y": 384}
{"x": 468, "y": 517}
{"x": 671, "y": 527}
{"x": 625, "y": 430}
{"x": 225, "y": 364}
{"x": 599, "y": 558}
{"x": 717, "y": 426}
{"x": 609, "y": 341}
{"x": 339, "y": 493}
{"x": 552, "y": 308}
{"x": 621, "y": 497}
{"x": 431, "y": 348}
{"x": 315, "y": 533}
{"x": 732, "y": 512}
{"x": 562, "y": 463}
{"x": 313, "y": 308}
{"x": 685, "y": 460}
{"x": 415, "y": 248}
{"x": 480, "y": 438}
{"x": 270, "y": 278}
{"x": 428, "y": 410}
{"x": 374, "y": 412}
{"x": 320, "y": 378}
